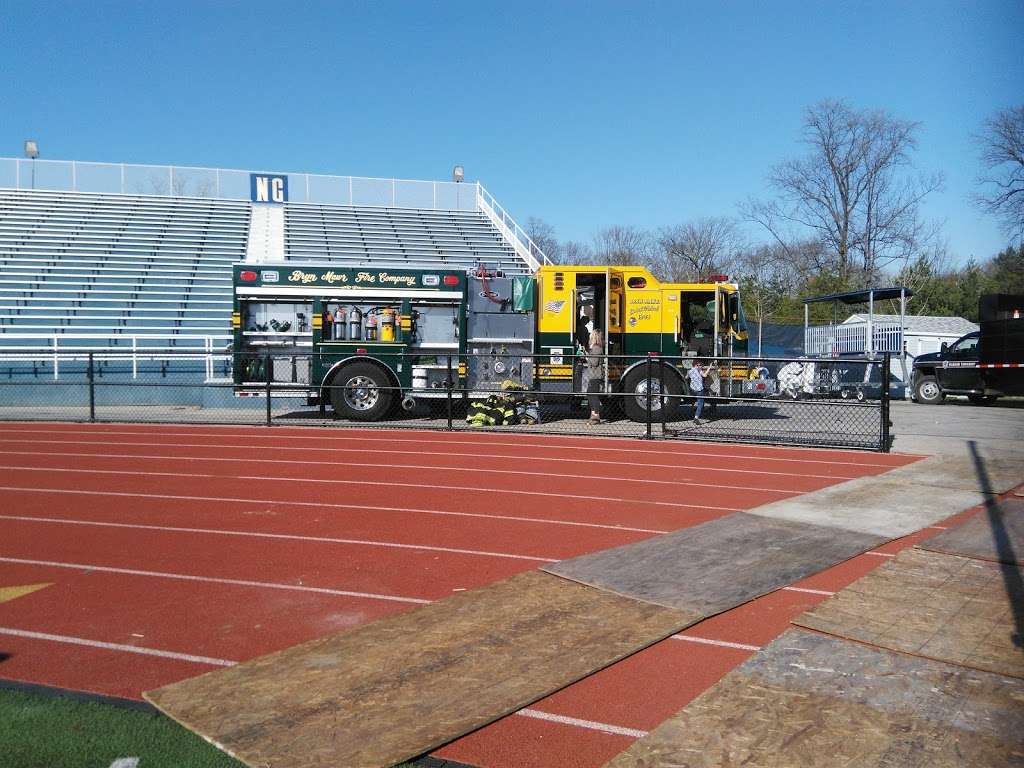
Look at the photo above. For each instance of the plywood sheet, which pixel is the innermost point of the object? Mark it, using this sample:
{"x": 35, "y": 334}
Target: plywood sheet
{"x": 716, "y": 565}
{"x": 894, "y": 505}
{"x": 944, "y": 607}
{"x": 809, "y": 700}
{"x": 996, "y": 534}
{"x": 408, "y": 683}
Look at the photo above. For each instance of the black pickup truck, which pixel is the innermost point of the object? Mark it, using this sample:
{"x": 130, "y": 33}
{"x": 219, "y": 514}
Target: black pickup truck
{"x": 984, "y": 365}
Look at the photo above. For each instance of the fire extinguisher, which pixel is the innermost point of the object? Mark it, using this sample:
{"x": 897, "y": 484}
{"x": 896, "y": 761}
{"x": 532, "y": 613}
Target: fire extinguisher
{"x": 387, "y": 325}
{"x": 371, "y": 327}
{"x": 355, "y": 324}
{"x": 339, "y": 324}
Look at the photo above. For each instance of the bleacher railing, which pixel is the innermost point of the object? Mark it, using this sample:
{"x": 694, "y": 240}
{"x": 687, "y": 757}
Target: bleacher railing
{"x": 527, "y": 250}
{"x": 231, "y": 184}
{"x": 52, "y": 352}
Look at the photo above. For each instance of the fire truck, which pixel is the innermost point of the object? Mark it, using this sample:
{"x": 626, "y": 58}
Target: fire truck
{"x": 363, "y": 340}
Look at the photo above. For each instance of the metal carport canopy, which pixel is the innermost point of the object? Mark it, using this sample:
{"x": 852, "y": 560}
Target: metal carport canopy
{"x": 859, "y": 297}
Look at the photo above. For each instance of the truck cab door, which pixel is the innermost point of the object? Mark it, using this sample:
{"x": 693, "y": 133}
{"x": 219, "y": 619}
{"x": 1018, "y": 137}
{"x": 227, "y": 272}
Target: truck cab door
{"x": 593, "y": 291}
{"x": 959, "y": 369}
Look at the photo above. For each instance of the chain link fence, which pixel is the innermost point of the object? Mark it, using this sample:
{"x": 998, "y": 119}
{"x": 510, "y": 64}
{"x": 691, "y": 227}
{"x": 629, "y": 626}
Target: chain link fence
{"x": 804, "y": 402}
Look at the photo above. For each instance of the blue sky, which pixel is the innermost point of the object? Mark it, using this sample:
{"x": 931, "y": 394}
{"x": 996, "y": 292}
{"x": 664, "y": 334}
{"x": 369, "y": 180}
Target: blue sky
{"x": 584, "y": 114}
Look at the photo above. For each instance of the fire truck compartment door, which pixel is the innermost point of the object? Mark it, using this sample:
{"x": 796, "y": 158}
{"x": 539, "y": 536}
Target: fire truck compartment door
{"x": 507, "y": 325}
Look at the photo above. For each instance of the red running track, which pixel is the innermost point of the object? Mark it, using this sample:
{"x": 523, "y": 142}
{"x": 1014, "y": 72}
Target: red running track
{"x": 171, "y": 551}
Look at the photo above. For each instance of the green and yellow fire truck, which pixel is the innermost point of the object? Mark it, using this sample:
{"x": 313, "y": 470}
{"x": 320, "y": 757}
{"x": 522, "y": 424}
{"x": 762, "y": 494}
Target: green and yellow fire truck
{"x": 363, "y": 340}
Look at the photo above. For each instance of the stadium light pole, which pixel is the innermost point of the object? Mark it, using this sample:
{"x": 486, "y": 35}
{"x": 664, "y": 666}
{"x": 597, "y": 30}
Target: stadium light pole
{"x": 458, "y": 174}
{"x": 32, "y": 152}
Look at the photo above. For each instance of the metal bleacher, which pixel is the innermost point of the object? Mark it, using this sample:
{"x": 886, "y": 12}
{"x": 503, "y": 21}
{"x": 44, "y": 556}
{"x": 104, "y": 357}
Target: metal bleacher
{"x": 391, "y": 237}
{"x": 109, "y": 273}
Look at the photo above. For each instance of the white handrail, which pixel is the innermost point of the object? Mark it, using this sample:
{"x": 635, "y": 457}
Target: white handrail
{"x": 524, "y": 246}
{"x": 52, "y": 352}
{"x": 67, "y": 175}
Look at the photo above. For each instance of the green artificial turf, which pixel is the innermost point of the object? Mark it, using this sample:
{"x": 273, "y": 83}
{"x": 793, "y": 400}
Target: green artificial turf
{"x": 48, "y": 731}
{"x": 38, "y": 731}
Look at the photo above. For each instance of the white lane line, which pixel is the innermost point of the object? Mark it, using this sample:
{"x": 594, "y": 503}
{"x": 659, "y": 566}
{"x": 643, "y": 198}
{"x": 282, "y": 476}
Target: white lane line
{"x": 809, "y": 591}
{"x": 116, "y": 647}
{"x": 400, "y": 436}
{"x": 285, "y": 536}
{"x": 249, "y": 461}
{"x": 388, "y": 484}
{"x": 376, "y": 451}
{"x": 215, "y": 580}
{"x": 879, "y": 554}
{"x": 939, "y": 527}
{"x": 590, "y": 725}
{"x": 719, "y": 643}
{"x": 329, "y": 505}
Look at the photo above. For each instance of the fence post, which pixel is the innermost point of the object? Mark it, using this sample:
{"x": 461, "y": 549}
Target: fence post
{"x": 649, "y": 398}
{"x": 91, "y": 376}
{"x": 267, "y": 362}
{"x": 661, "y": 395}
{"x": 448, "y": 386}
{"x": 886, "y": 424}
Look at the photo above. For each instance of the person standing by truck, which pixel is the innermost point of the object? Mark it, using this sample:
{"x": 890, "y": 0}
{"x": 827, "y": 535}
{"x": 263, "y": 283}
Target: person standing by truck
{"x": 594, "y": 374}
{"x": 695, "y": 378}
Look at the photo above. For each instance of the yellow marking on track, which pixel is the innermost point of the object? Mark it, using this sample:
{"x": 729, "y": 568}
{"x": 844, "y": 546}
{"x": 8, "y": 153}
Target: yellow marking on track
{"x": 13, "y": 593}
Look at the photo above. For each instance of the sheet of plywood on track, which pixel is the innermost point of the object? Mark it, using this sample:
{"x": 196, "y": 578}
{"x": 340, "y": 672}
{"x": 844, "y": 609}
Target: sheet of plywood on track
{"x": 996, "y": 533}
{"x": 716, "y": 565}
{"x": 408, "y": 683}
{"x": 810, "y": 700}
{"x": 944, "y": 607}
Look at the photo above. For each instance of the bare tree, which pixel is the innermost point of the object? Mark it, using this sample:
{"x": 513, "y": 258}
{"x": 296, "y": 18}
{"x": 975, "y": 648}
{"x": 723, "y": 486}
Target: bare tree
{"x": 766, "y": 275}
{"x": 853, "y": 190}
{"x": 1002, "y": 152}
{"x": 179, "y": 186}
{"x": 543, "y": 236}
{"x": 623, "y": 245}
{"x": 574, "y": 252}
{"x": 692, "y": 251}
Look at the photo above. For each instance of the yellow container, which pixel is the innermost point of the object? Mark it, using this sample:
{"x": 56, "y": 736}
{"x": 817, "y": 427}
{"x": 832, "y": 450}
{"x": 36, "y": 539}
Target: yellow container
{"x": 387, "y": 325}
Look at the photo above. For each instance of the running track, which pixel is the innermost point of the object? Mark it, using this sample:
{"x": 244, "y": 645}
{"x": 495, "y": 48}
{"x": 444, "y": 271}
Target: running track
{"x": 173, "y": 550}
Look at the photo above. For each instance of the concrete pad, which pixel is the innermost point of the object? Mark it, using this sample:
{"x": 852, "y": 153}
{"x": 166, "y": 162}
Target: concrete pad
{"x": 953, "y": 427}
{"x": 717, "y": 565}
{"x": 807, "y": 701}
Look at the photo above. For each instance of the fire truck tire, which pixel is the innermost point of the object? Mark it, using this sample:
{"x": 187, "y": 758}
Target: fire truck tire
{"x": 927, "y": 391}
{"x": 634, "y": 400}
{"x": 361, "y": 392}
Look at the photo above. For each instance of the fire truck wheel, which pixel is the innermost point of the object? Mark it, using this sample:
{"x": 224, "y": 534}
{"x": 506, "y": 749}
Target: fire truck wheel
{"x": 361, "y": 392}
{"x": 927, "y": 391}
{"x": 635, "y": 388}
